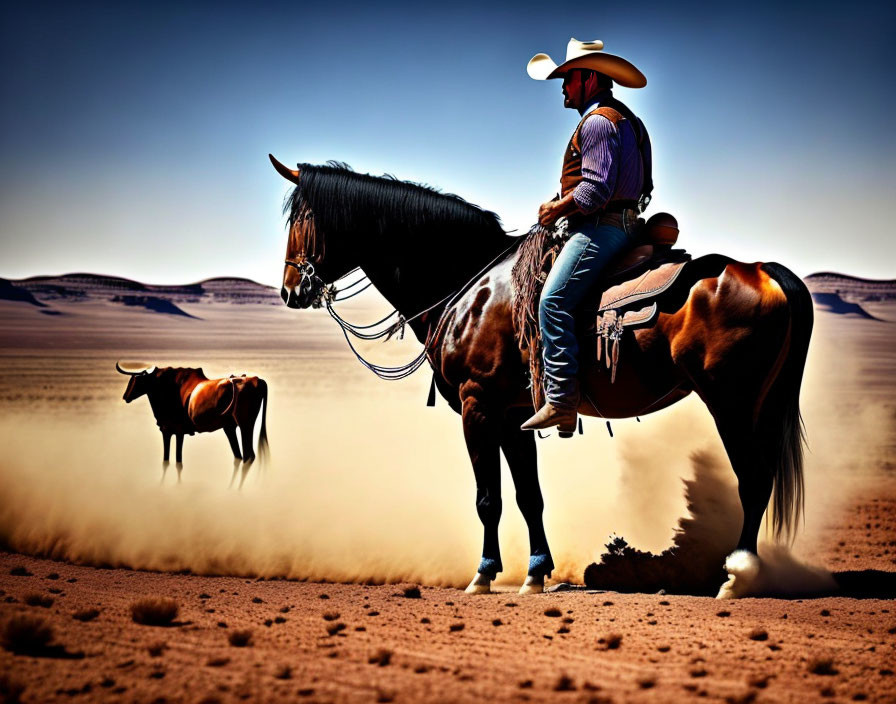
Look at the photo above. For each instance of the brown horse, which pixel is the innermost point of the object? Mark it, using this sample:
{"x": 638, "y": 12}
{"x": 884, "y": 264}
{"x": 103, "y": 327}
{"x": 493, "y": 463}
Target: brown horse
{"x": 185, "y": 401}
{"x": 736, "y": 334}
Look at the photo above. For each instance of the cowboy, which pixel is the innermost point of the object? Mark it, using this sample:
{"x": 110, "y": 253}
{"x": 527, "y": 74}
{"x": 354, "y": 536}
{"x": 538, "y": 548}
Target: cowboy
{"x": 604, "y": 185}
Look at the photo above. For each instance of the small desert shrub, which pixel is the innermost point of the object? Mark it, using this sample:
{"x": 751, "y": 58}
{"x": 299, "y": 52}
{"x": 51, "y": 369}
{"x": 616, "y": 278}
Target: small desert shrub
{"x": 20, "y": 571}
{"x": 10, "y": 690}
{"x": 611, "y": 641}
{"x": 822, "y": 666}
{"x": 412, "y": 593}
{"x": 456, "y": 627}
{"x": 240, "y": 638}
{"x": 334, "y": 628}
{"x": 758, "y": 634}
{"x": 26, "y": 634}
{"x": 553, "y": 613}
{"x": 35, "y": 599}
{"x": 564, "y": 684}
{"x": 217, "y": 662}
{"x": 331, "y": 616}
{"x": 154, "y": 611}
{"x": 381, "y": 657}
{"x": 284, "y": 672}
{"x": 156, "y": 649}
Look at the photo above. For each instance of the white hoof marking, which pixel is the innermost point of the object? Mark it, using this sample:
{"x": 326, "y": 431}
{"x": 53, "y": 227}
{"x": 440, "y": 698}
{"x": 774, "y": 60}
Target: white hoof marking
{"x": 480, "y": 585}
{"x": 742, "y": 568}
{"x": 532, "y": 585}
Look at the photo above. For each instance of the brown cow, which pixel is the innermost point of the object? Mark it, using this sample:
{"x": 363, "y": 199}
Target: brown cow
{"x": 184, "y": 401}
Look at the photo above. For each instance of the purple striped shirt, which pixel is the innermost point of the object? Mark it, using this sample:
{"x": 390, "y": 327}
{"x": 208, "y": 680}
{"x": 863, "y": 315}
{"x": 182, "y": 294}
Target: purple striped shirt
{"x": 611, "y": 162}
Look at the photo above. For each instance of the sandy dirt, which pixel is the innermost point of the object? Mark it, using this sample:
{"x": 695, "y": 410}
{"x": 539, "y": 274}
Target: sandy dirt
{"x": 367, "y": 485}
{"x": 448, "y": 646}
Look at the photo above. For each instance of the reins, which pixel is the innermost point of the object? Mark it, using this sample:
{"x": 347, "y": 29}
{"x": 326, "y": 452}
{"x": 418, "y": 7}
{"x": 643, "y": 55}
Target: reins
{"x": 330, "y": 294}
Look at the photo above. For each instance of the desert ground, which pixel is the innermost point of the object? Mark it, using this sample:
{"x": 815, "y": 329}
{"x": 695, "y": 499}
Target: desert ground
{"x": 336, "y": 572}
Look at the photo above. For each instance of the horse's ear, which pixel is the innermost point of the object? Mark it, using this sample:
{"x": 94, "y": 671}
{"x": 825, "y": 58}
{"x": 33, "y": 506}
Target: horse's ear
{"x": 286, "y": 173}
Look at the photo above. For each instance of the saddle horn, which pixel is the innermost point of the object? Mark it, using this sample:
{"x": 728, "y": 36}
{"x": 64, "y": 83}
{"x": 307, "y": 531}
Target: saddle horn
{"x": 285, "y": 172}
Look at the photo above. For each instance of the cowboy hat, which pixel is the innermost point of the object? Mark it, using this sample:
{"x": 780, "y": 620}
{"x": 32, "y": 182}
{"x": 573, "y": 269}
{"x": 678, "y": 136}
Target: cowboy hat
{"x": 587, "y": 55}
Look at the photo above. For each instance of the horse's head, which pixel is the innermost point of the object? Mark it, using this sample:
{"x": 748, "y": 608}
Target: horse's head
{"x": 307, "y": 271}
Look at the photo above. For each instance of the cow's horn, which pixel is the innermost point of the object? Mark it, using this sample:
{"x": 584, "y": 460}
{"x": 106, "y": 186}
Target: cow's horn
{"x": 286, "y": 173}
{"x": 122, "y": 371}
{"x": 145, "y": 370}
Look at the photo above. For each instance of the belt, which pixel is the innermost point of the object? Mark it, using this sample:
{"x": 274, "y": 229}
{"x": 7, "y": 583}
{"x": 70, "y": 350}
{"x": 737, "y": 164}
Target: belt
{"x": 624, "y": 219}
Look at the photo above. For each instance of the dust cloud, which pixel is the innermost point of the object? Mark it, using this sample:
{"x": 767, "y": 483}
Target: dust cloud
{"x": 366, "y": 484}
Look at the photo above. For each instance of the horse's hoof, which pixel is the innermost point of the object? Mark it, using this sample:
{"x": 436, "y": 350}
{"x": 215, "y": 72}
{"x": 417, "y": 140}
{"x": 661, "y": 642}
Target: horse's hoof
{"x": 480, "y": 585}
{"x": 742, "y": 568}
{"x": 532, "y": 585}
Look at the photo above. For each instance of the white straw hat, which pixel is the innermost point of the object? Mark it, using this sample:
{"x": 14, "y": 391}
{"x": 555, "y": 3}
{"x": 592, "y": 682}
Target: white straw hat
{"x": 587, "y": 55}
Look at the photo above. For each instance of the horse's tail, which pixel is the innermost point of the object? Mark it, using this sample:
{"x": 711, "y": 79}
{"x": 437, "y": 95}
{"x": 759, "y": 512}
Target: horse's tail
{"x": 780, "y": 413}
{"x": 263, "y": 448}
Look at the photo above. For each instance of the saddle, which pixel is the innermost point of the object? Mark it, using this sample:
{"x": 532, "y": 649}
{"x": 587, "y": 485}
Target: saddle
{"x": 625, "y": 298}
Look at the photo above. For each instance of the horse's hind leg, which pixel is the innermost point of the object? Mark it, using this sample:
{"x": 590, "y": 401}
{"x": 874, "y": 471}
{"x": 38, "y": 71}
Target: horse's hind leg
{"x": 744, "y": 445}
{"x": 481, "y": 434}
{"x": 522, "y": 459}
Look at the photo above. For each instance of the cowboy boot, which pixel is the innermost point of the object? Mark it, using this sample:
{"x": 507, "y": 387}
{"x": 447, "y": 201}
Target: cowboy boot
{"x": 550, "y": 416}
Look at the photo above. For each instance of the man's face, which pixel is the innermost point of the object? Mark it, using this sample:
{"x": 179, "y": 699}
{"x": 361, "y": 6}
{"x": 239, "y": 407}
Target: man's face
{"x": 572, "y": 90}
{"x": 578, "y": 88}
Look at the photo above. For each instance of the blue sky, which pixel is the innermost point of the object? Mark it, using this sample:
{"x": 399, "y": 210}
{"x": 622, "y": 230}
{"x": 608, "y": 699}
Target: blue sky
{"x": 134, "y": 136}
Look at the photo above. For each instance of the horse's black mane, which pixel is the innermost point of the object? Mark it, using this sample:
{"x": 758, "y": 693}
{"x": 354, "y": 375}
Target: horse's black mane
{"x": 341, "y": 200}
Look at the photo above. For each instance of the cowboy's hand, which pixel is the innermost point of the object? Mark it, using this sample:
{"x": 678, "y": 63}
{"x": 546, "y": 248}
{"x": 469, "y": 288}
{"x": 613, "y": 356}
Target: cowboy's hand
{"x": 548, "y": 213}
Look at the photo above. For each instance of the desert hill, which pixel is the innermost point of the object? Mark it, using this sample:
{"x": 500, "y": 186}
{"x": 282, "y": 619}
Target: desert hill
{"x": 83, "y": 287}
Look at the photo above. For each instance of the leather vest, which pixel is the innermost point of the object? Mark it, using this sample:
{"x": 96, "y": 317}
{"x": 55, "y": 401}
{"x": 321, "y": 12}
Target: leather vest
{"x": 572, "y": 159}
{"x": 571, "y": 174}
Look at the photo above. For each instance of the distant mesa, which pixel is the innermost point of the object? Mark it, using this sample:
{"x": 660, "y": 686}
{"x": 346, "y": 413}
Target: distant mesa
{"x": 152, "y": 303}
{"x": 851, "y": 287}
{"x": 10, "y": 292}
{"x": 843, "y": 295}
{"x": 83, "y": 287}
{"x": 832, "y": 303}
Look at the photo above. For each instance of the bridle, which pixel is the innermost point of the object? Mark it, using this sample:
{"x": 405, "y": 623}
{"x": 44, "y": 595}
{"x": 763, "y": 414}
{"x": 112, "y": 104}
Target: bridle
{"x": 304, "y": 267}
{"x": 328, "y": 294}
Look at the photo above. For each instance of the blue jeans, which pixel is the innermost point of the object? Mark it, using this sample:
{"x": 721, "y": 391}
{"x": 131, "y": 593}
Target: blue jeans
{"x": 589, "y": 249}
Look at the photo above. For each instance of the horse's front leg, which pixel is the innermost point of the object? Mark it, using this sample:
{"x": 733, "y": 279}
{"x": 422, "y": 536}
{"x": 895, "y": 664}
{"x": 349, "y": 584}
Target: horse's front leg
{"x": 522, "y": 459}
{"x": 482, "y": 434}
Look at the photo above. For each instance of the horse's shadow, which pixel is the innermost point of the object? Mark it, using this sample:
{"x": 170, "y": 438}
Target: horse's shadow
{"x": 865, "y": 584}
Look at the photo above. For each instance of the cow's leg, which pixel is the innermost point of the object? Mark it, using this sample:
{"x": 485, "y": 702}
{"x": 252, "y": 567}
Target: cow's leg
{"x": 522, "y": 459}
{"x": 166, "y": 453}
{"x": 230, "y": 431}
{"x": 179, "y": 454}
{"x": 166, "y": 445}
{"x": 481, "y": 434}
{"x": 246, "y": 430}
